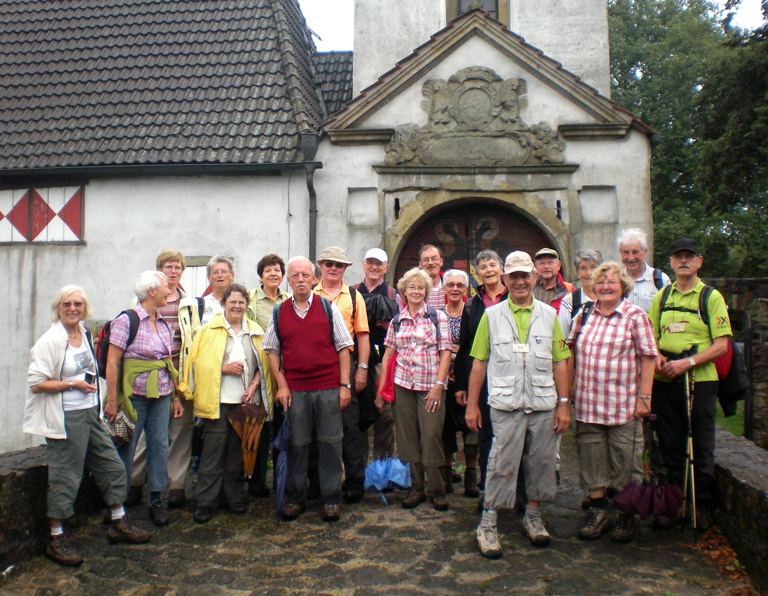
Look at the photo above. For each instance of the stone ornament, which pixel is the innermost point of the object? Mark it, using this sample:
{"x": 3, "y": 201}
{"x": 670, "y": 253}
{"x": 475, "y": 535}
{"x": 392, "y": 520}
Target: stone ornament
{"x": 474, "y": 120}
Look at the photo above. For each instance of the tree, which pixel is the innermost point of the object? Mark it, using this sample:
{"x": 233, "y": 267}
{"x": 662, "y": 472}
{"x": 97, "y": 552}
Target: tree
{"x": 698, "y": 85}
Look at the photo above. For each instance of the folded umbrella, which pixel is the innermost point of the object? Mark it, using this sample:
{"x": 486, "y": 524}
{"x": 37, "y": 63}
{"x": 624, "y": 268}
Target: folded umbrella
{"x": 387, "y": 473}
{"x": 282, "y": 442}
{"x": 248, "y": 420}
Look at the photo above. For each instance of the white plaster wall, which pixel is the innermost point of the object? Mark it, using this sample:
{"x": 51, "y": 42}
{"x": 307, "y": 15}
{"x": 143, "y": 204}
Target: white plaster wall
{"x": 573, "y": 33}
{"x": 127, "y": 222}
{"x": 389, "y": 30}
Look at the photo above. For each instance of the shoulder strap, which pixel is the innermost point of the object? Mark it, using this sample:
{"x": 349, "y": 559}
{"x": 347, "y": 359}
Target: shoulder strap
{"x": 576, "y": 298}
{"x": 658, "y": 280}
{"x": 588, "y": 306}
{"x": 276, "y": 320}
{"x": 432, "y": 314}
{"x": 706, "y": 291}
{"x": 133, "y": 325}
{"x": 200, "y": 307}
{"x": 353, "y": 295}
{"x": 328, "y": 313}
{"x": 396, "y": 322}
{"x": 663, "y": 299}
{"x": 703, "y": 310}
{"x": 391, "y": 293}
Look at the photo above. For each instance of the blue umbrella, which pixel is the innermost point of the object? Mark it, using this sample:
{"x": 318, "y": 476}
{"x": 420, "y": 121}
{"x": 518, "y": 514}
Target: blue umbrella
{"x": 387, "y": 473}
{"x": 281, "y": 443}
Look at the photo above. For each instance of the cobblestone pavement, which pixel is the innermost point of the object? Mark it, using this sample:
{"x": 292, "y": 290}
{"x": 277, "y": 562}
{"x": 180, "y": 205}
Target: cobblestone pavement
{"x": 376, "y": 549}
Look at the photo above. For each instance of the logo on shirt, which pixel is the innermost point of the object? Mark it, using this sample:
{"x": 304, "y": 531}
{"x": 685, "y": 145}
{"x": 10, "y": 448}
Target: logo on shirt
{"x": 722, "y": 321}
{"x": 563, "y": 344}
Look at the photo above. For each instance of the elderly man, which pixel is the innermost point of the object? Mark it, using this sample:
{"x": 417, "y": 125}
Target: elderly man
{"x": 181, "y": 314}
{"x": 431, "y": 261}
{"x": 313, "y": 385}
{"x": 333, "y": 263}
{"x": 520, "y": 348}
{"x": 633, "y": 248}
{"x": 550, "y": 286}
{"x": 385, "y": 300}
{"x": 692, "y": 333}
{"x": 221, "y": 275}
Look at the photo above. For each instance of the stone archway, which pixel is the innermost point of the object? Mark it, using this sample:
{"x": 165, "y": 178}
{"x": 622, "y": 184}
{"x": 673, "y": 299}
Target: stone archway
{"x": 464, "y": 229}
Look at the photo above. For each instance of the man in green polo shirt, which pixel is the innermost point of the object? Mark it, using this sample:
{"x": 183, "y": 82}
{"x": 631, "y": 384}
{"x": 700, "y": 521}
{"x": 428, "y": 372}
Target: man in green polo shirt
{"x": 687, "y": 347}
{"x": 519, "y": 346}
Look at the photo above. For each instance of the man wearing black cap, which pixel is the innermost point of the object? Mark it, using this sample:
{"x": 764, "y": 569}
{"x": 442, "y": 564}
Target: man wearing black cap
{"x": 550, "y": 286}
{"x": 689, "y": 343}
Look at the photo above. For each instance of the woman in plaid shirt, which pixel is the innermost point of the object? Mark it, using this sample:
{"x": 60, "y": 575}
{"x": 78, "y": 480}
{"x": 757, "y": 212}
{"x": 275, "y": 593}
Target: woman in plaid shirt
{"x": 423, "y": 358}
{"x": 614, "y": 352}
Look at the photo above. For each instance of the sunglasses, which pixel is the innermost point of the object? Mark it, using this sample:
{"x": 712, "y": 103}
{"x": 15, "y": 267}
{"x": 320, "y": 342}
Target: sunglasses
{"x": 71, "y": 304}
{"x": 333, "y": 265}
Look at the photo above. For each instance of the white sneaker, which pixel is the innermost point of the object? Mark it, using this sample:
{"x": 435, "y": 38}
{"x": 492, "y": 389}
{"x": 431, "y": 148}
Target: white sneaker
{"x": 487, "y": 540}
{"x": 534, "y": 528}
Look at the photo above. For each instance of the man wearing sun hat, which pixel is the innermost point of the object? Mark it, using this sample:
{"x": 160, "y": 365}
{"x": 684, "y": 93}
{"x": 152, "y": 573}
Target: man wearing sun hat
{"x": 550, "y": 286}
{"x": 520, "y": 348}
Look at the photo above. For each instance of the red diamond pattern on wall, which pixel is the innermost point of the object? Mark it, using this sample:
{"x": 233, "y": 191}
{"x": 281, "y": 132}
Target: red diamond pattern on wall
{"x": 42, "y": 214}
{"x": 19, "y": 216}
{"x": 71, "y": 214}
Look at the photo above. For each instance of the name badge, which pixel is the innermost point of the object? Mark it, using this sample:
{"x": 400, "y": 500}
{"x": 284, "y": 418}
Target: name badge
{"x": 677, "y": 327}
{"x": 521, "y": 348}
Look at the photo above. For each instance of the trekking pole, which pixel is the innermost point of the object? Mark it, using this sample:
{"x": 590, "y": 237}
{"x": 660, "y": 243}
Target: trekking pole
{"x": 690, "y": 482}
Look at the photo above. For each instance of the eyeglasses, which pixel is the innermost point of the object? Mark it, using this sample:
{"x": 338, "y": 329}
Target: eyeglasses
{"x": 333, "y": 265}
{"x": 611, "y": 284}
{"x": 71, "y": 304}
{"x": 430, "y": 259}
{"x": 220, "y": 272}
{"x": 172, "y": 268}
{"x": 415, "y": 288}
{"x": 452, "y": 284}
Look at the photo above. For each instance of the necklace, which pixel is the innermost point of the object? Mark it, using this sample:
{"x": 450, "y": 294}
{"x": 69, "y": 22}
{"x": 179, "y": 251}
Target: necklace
{"x": 453, "y": 315}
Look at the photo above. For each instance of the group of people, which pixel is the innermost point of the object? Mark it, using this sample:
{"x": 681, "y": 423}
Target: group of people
{"x": 502, "y": 368}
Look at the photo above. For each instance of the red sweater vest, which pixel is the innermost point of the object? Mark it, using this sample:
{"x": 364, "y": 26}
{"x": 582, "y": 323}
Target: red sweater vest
{"x": 310, "y": 360}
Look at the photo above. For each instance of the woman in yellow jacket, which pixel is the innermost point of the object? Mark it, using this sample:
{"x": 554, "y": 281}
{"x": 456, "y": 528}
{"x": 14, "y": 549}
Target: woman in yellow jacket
{"x": 226, "y": 365}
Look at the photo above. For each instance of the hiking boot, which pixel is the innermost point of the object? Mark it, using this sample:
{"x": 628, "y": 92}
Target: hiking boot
{"x": 176, "y": 498}
{"x": 471, "y": 489}
{"x": 595, "y": 524}
{"x": 440, "y": 503}
{"x": 134, "y": 496}
{"x": 624, "y": 530}
{"x": 202, "y": 515}
{"x": 158, "y": 513}
{"x": 61, "y": 551}
{"x": 123, "y": 530}
{"x": 487, "y": 541}
{"x": 413, "y": 499}
{"x": 331, "y": 512}
{"x": 447, "y": 473}
{"x": 292, "y": 511}
{"x": 534, "y": 528}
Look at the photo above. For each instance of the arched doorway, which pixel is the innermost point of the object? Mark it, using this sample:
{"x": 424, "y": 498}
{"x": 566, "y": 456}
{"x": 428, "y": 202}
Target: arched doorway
{"x": 464, "y": 230}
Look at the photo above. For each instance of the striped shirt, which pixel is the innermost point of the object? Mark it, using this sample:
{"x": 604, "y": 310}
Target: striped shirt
{"x": 608, "y": 354}
{"x": 418, "y": 349}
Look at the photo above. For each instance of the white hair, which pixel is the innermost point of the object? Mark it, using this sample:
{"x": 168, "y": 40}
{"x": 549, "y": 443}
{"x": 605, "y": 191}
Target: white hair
{"x": 456, "y": 273}
{"x": 149, "y": 280}
{"x": 299, "y": 259}
{"x": 632, "y": 235}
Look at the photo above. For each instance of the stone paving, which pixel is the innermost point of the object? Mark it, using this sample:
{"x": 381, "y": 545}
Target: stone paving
{"x": 376, "y": 549}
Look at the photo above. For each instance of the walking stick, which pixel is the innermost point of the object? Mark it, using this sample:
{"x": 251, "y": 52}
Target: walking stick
{"x": 690, "y": 482}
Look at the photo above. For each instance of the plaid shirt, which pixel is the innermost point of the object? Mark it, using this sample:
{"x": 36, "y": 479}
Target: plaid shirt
{"x": 608, "y": 363}
{"x": 141, "y": 348}
{"x": 418, "y": 349}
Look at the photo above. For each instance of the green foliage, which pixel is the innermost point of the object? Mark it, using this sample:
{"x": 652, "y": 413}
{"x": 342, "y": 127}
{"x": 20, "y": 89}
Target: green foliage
{"x": 704, "y": 91}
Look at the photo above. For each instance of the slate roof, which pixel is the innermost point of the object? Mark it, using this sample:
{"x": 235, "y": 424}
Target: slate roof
{"x": 154, "y": 82}
{"x": 334, "y": 75}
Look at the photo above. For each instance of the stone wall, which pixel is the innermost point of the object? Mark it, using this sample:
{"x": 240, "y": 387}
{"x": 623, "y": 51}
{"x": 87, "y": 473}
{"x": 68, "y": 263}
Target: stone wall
{"x": 756, "y": 410}
{"x": 742, "y": 516}
{"x": 23, "y": 521}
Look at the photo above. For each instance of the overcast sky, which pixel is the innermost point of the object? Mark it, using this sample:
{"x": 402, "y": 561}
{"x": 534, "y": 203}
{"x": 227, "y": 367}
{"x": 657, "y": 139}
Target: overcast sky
{"x": 332, "y": 20}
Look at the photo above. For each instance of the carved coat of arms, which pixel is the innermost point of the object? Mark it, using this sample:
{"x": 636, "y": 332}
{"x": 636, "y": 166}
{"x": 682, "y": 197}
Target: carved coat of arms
{"x": 474, "y": 120}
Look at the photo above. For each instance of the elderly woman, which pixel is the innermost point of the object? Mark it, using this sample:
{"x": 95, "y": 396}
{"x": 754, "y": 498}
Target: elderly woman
{"x": 586, "y": 261}
{"x": 614, "y": 353}
{"x": 421, "y": 338}
{"x": 263, "y": 299}
{"x": 456, "y": 286}
{"x": 226, "y": 367}
{"x": 490, "y": 271}
{"x": 148, "y": 377}
{"x": 64, "y": 406}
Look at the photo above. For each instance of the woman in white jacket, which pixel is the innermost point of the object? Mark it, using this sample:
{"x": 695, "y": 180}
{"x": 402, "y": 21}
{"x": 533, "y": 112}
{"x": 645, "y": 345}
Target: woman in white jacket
{"x": 63, "y": 405}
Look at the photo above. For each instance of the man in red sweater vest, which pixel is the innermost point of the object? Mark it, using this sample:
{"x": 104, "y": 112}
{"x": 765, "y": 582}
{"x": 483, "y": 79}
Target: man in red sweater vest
{"x": 309, "y": 357}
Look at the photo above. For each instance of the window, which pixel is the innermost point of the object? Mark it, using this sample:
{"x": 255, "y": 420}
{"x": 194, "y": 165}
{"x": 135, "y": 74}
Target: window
{"x": 40, "y": 215}
{"x": 497, "y": 9}
{"x": 490, "y": 6}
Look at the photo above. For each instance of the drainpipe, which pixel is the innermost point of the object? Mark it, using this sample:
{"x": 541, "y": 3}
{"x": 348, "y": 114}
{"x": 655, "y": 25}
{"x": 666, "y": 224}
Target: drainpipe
{"x": 309, "y": 143}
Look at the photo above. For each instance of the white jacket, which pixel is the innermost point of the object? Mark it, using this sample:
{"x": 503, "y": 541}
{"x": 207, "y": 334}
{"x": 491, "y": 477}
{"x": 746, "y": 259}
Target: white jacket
{"x": 44, "y": 412}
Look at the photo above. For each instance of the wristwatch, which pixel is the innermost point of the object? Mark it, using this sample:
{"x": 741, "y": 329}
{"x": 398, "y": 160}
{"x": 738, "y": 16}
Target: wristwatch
{"x": 363, "y": 365}
{"x": 347, "y": 385}
{"x": 563, "y": 400}
{"x": 692, "y": 362}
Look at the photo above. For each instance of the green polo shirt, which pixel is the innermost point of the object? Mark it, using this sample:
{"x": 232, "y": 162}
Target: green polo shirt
{"x": 694, "y": 332}
{"x": 522, "y": 315}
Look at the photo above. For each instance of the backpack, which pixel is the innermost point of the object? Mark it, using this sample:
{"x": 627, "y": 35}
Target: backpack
{"x": 431, "y": 313}
{"x": 326, "y": 308}
{"x": 658, "y": 280}
{"x": 734, "y": 378}
{"x": 102, "y": 342}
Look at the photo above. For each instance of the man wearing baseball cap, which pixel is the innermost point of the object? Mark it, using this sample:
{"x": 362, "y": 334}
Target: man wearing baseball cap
{"x": 550, "y": 288}
{"x": 520, "y": 348}
{"x": 688, "y": 347}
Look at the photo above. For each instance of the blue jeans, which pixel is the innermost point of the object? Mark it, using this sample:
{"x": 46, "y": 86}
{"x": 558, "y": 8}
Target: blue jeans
{"x": 152, "y": 416}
